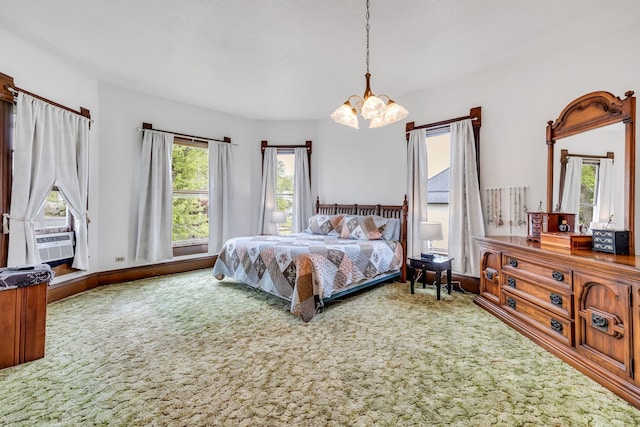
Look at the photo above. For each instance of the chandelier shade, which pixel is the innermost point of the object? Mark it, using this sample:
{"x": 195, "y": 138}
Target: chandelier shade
{"x": 379, "y": 110}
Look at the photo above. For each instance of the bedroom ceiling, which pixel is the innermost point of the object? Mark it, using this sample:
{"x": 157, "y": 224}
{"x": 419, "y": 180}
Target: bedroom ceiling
{"x": 297, "y": 59}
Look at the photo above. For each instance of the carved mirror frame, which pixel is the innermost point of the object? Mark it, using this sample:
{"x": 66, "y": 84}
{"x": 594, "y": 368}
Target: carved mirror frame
{"x": 591, "y": 111}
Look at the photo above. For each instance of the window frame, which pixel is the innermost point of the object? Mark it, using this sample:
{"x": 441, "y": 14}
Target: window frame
{"x": 196, "y": 247}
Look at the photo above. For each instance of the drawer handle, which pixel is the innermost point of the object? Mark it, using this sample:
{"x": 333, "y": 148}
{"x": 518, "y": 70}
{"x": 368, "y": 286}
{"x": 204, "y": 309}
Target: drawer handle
{"x": 557, "y": 276}
{"x": 511, "y": 282}
{"x": 491, "y": 274}
{"x": 556, "y": 299}
{"x": 513, "y": 262}
{"x": 556, "y": 326}
{"x": 511, "y": 303}
{"x": 599, "y": 322}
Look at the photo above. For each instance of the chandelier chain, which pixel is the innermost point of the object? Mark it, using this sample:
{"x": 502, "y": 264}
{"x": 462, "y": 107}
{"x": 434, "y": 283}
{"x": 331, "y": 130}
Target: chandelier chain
{"x": 379, "y": 110}
{"x": 367, "y": 35}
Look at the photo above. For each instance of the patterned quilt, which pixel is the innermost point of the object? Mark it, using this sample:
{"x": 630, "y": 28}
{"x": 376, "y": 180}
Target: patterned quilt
{"x": 305, "y": 268}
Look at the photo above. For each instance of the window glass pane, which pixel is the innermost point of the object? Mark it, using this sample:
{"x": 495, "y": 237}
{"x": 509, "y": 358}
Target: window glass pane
{"x": 588, "y": 188}
{"x": 438, "y": 162}
{"x": 190, "y": 218}
{"x": 588, "y": 185}
{"x": 284, "y": 189}
{"x": 54, "y": 213}
{"x": 190, "y": 169}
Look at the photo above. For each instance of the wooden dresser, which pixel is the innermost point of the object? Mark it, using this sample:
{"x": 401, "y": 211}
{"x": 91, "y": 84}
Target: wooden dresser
{"x": 583, "y": 306}
{"x": 23, "y": 312}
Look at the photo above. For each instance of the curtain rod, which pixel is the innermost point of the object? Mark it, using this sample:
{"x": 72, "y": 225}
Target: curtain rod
{"x": 565, "y": 153}
{"x": 265, "y": 144}
{"x": 83, "y": 111}
{"x": 442, "y": 123}
{"x": 149, "y": 126}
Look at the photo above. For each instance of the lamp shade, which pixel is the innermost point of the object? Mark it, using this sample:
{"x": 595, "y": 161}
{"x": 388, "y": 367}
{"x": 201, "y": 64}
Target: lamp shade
{"x": 278, "y": 217}
{"x": 430, "y": 231}
{"x": 346, "y": 115}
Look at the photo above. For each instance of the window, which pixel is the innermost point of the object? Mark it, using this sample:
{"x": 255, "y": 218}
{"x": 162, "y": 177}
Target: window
{"x": 438, "y": 162}
{"x": 190, "y": 173}
{"x": 284, "y": 188}
{"x": 296, "y": 211}
{"x": 54, "y": 215}
{"x": 588, "y": 192}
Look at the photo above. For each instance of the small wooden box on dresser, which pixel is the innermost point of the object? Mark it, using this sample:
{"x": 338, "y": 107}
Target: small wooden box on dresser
{"x": 583, "y": 306}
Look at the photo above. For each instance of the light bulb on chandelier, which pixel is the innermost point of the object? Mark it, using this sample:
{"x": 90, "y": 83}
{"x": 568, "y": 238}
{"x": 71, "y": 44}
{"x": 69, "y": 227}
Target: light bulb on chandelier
{"x": 379, "y": 110}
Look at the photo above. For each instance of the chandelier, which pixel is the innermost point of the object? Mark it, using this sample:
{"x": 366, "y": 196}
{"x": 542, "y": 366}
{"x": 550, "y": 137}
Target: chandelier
{"x": 379, "y": 110}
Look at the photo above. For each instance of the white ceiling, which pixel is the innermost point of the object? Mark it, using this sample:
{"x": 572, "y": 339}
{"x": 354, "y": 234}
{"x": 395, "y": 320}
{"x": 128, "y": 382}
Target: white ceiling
{"x": 297, "y": 59}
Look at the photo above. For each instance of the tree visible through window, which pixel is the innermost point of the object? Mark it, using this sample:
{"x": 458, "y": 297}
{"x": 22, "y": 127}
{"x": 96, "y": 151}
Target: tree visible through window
{"x": 588, "y": 190}
{"x": 190, "y": 172}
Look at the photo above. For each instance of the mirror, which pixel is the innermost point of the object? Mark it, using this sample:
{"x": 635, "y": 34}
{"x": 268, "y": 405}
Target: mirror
{"x": 595, "y": 126}
{"x": 591, "y": 147}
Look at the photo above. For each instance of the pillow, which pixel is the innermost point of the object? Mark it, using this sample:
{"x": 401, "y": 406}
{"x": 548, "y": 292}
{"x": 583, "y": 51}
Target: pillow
{"x": 323, "y": 224}
{"x": 359, "y": 227}
{"x": 391, "y": 230}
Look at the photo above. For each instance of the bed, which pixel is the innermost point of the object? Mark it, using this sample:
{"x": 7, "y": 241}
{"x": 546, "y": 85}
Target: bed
{"x": 346, "y": 248}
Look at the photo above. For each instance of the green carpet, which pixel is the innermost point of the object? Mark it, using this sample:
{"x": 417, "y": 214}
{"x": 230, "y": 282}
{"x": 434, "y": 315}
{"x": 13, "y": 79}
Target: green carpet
{"x": 187, "y": 350}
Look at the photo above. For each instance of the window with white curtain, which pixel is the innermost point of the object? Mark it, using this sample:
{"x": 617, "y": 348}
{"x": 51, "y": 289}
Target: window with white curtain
{"x": 54, "y": 215}
{"x": 190, "y": 198}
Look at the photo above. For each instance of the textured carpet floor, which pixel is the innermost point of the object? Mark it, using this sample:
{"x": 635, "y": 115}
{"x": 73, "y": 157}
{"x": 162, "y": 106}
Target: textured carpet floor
{"x": 188, "y": 350}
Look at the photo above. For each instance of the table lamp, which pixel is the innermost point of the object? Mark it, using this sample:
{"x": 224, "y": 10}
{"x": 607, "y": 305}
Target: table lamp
{"x": 278, "y": 217}
{"x": 430, "y": 231}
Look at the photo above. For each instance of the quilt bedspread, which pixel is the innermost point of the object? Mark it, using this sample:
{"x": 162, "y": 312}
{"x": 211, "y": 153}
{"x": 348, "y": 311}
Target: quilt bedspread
{"x": 305, "y": 268}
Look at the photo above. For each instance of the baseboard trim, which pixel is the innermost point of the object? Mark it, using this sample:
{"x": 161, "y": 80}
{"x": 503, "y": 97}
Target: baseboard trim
{"x": 67, "y": 288}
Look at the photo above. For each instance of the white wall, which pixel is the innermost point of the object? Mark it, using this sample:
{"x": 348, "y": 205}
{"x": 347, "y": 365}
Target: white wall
{"x": 123, "y": 112}
{"x": 360, "y": 166}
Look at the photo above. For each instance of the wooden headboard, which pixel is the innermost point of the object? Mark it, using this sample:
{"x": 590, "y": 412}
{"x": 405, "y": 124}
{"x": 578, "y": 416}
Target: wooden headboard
{"x": 385, "y": 211}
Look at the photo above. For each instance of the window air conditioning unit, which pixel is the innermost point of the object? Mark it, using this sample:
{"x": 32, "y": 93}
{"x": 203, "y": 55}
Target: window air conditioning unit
{"x": 55, "y": 246}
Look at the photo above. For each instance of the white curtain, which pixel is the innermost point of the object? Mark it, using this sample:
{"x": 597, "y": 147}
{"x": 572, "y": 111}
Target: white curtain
{"x": 220, "y": 193}
{"x": 302, "y": 202}
{"x": 606, "y": 192}
{"x": 465, "y": 207}
{"x": 154, "y": 213}
{"x": 268, "y": 195}
{"x": 51, "y": 148}
{"x": 417, "y": 178}
{"x": 570, "y": 202}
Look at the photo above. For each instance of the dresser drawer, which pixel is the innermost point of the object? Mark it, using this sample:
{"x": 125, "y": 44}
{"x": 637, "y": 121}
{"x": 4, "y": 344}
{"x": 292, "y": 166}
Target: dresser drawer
{"x": 556, "y": 299}
{"x": 537, "y": 272}
{"x": 556, "y": 327}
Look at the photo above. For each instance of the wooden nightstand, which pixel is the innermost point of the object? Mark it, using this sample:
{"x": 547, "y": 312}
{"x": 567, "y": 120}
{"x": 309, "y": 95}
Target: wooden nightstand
{"x": 437, "y": 264}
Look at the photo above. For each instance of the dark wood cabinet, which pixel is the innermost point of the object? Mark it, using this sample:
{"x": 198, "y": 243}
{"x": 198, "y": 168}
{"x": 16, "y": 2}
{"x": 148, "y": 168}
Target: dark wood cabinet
{"x": 612, "y": 241}
{"x": 547, "y": 222}
{"x": 23, "y": 313}
{"x": 581, "y": 305}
